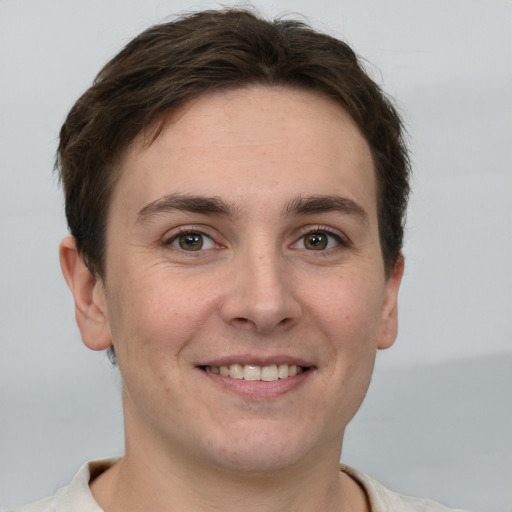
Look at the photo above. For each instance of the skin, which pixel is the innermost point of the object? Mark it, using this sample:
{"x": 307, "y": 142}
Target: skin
{"x": 257, "y": 291}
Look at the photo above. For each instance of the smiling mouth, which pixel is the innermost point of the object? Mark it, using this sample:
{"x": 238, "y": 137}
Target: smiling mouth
{"x": 268, "y": 373}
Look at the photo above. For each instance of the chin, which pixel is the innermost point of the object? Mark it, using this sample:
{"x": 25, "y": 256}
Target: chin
{"x": 262, "y": 451}
{"x": 257, "y": 462}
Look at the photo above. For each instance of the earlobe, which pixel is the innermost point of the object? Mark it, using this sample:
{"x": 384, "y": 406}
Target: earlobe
{"x": 89, "y": 296}
{"x": 389, "y": 318}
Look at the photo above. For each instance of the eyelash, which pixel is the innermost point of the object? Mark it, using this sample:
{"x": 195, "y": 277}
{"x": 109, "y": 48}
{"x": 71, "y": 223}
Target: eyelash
{"x": 188, "y": 231}
{"x": 341, "y": 240}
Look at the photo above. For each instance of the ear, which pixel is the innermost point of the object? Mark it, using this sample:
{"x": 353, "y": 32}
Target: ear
{"x": 89, "y": 295}
{"x": 389, "y": 316}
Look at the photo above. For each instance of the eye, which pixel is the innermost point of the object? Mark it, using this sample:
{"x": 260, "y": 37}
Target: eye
{"x": 318, "y": 241}
{"x": 192, "y": 241}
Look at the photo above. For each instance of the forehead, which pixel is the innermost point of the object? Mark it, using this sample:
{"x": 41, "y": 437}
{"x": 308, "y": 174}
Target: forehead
{"x": 271, "y": 140}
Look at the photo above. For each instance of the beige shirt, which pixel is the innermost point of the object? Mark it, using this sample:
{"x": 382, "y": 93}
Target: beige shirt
{"x": 77, "y": 497}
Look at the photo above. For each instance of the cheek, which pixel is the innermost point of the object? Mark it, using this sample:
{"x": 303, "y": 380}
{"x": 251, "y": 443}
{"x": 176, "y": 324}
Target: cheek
{"x": 154, "y": 317}
{"x": 349, "y": 309}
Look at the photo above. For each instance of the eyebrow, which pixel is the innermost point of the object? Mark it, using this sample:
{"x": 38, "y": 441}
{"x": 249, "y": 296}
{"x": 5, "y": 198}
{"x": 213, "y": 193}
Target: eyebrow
{"x": 187, "y": 203}
{"x": 301, "y": 205}
{"x": 325, "y": 203}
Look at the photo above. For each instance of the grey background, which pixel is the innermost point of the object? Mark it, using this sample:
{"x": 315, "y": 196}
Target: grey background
{"x": 438, "y": 419}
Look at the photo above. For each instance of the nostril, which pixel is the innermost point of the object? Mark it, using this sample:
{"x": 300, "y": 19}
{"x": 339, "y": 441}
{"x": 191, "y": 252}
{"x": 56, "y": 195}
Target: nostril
{"x": 260, "y": 308}
{"x": 242, "y": 322}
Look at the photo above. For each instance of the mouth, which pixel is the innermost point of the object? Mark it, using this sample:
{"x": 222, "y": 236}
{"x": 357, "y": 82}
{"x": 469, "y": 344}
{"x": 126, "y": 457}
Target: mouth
{"x": 250, "y": 372}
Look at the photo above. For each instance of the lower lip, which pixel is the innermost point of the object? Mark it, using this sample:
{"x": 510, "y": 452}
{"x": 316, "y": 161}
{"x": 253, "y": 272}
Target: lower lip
{"x": 258, "y": 389}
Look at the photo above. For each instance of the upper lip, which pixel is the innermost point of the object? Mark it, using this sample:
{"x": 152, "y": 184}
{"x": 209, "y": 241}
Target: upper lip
{"x": 256, "y": 360}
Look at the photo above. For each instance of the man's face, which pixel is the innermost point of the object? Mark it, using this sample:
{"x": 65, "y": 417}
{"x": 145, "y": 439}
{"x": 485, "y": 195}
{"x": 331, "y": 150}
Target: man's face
{"x": 244, "y": 242}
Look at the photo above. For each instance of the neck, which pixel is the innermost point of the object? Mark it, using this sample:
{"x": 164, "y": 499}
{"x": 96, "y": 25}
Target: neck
{"x": 133, "y": 485}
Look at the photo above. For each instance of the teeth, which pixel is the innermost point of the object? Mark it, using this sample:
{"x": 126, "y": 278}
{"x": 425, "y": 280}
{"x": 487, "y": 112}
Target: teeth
{"x": 283, "y": 371}
{"x": 236, "y": 371}
{"x": 251, "y": 372}
{"x": 268, "y": 373}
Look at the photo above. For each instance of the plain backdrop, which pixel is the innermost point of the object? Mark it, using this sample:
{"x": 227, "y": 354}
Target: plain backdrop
{"x": 438, "y": 419}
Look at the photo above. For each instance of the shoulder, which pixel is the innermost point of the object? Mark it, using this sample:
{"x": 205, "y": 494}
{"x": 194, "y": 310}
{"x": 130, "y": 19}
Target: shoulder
{"x": 384, "y": 500}
{"x": 76, "y": 497}
{"x": 44, "y": 505}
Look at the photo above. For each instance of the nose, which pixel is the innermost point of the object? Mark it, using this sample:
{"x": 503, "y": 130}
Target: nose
{"x": 260, "y": 296}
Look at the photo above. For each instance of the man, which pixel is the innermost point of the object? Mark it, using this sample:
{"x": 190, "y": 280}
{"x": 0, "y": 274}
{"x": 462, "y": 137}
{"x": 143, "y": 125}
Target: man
{"x": 235, "y": 191}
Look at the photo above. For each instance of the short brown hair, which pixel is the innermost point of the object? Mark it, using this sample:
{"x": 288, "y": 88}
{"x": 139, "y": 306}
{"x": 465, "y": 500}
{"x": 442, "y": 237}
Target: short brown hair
{"x": 172, "y": 63}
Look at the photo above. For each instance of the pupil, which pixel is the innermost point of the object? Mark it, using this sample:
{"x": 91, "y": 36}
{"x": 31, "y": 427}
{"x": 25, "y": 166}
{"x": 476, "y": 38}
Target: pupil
{"x": 316, "y": 241}
{"x": 191, "y": 242}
